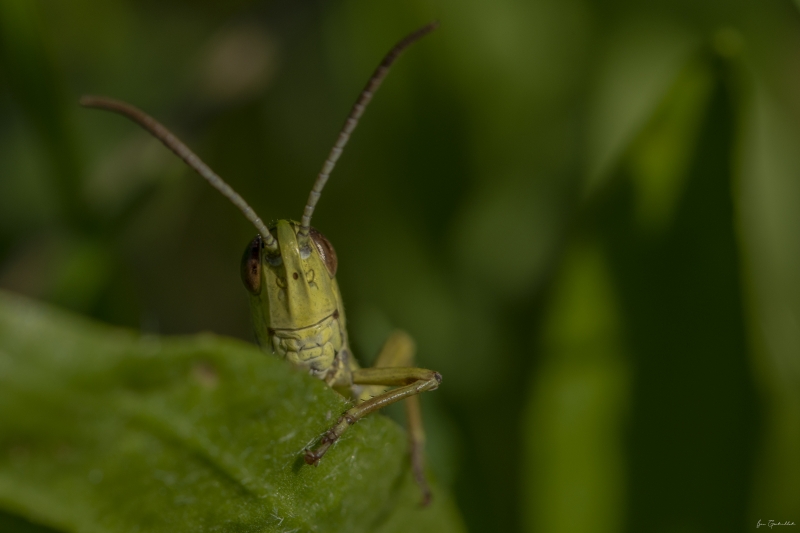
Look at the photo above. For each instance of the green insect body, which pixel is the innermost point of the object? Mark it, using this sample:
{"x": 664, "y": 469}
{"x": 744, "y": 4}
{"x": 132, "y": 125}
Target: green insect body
{"x": 289, "y": 271}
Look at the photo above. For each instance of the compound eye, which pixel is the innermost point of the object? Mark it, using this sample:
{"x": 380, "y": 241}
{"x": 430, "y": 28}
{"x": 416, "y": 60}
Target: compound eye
{"x": 326, "y": 251}
{"x": 251, "y": 266}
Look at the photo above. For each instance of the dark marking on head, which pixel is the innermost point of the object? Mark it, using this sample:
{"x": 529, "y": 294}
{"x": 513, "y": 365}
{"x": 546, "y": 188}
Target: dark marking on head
{"x": 251, "y": 266}
{"x": 295, "y": 275}
{"x": 336, "y": 314}
{"x": 326, "y": 251}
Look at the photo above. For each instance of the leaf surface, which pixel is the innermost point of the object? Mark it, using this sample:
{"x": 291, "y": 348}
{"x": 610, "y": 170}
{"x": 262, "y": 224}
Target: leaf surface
{"x": 105, "y": 430}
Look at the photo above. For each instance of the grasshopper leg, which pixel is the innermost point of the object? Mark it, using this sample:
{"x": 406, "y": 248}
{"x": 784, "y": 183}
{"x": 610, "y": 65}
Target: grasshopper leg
{"x": 398, "y": 351}
{"x": 391, "y": 370}
{"x": 423, "y": 381}
{"x": 416, "y": 442}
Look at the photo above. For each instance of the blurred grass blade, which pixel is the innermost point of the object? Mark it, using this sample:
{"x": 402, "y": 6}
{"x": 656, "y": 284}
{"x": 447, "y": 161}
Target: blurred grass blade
{"x": 575, "y": 470}
{"x": 35, "y": 84}
{"x": 694, "y": 407}
{"x": 640, "y": 63}
{"x": 768, "y": 199}
{"x": 646, "y": 337}
{"x": 103, "y": 430}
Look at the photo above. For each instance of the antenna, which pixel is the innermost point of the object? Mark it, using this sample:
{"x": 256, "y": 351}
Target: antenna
{"x": 352, "y": 121}
{"x": 181, "y": 150}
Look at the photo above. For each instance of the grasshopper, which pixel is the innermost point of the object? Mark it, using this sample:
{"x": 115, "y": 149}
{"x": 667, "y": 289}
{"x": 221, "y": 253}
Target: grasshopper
{"x": 289, "y": 271}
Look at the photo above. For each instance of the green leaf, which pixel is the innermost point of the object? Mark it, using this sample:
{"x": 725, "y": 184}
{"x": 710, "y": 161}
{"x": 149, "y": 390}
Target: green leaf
{"x": 102, "y": 429}
{"x": 644, "y": 404}
{"x": 576, "y": 411}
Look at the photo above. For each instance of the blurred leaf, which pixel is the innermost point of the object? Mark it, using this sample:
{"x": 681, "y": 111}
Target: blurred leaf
{"x": 36, "y": 86}
{"x": 659, "y": 157}
{"x": 104, "y": 430}
{"x": 639, "y": 64}
{"x": 576, "y": 408}
{"x": 650, "y": 295}
{"x": 768, "y": 197}
{"x": 694, "y": 410}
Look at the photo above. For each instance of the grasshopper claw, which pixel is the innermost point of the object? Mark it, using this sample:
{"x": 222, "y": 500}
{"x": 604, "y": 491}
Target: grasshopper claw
{"x": 312, "y": 458}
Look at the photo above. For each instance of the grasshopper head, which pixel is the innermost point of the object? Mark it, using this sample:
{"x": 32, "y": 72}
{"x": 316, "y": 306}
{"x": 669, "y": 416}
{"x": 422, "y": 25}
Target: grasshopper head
{"x": 295, "y": 288}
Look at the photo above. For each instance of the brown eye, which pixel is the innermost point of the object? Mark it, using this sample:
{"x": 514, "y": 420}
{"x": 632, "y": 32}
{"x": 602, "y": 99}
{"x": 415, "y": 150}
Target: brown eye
{"x": 251, "y": 266}
{"x": 326, "y": 251}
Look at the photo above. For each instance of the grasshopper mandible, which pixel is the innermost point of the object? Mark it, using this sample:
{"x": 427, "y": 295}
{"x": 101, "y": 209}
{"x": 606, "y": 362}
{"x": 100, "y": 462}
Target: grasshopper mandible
{"x": 289, "y": 271}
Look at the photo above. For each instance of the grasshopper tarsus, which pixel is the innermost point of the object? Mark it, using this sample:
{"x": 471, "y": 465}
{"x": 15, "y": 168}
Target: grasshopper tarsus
{"x": 311, "y": 458}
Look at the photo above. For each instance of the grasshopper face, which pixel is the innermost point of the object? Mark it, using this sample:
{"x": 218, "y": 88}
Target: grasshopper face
{"x": 295, "y": 300}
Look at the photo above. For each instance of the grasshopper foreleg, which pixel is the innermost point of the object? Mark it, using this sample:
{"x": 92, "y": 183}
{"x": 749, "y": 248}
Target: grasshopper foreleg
{"x": 410, "y": 382}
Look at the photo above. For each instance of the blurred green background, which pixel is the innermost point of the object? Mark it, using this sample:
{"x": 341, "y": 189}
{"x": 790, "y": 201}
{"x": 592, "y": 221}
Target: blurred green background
{"x": 586, "y": 213}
